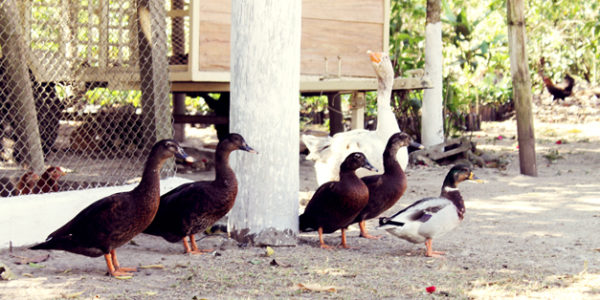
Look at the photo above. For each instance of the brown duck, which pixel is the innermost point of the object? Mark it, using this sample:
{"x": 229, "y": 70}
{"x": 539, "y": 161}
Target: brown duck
{"x": 112, "y": 221}
{"x": 385, "y": 189}
{"x": 336, "y": 204}
{"x": 192, "y": 207}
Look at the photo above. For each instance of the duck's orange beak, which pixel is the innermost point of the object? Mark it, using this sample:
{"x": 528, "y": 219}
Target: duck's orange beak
{"x": 375, "y": 56}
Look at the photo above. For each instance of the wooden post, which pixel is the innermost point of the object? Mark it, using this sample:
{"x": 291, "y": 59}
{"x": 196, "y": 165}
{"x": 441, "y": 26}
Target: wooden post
{"x": 265, "y": 84}
{"x": 336, "y": 117}
{"x": 179, "y": 109}
{"x": 178, "y": 46}
{"x": 521, "y": 86}
{"x": 358, "y": 103}
{"x": 154, "y": 76}
{"x": 23, "y": 110}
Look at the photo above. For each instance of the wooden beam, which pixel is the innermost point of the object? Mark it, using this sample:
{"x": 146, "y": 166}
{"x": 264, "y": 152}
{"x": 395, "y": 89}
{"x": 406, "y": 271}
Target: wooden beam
{"x": 517, "y": 45}
{"x": 357, "y": 110}
{"x": 308, "y": 84}
{"x": 191, "y": 119}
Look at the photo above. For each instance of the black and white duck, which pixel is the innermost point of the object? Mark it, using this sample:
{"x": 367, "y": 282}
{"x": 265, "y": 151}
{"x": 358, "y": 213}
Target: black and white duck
{"x": 432, "y": 217}
{"x": 336, "y": 204}
{"x": 114, "y": 220}
{"x": 387, "y": 188}
{"x": 192, "y": 207}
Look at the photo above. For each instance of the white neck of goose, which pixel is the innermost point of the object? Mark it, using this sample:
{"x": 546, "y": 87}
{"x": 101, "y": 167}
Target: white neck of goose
{"x": 386, "y": 120}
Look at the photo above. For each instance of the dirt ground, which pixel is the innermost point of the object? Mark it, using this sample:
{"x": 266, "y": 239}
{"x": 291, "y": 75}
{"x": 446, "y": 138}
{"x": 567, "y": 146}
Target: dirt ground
{"x": 522, "y": 237}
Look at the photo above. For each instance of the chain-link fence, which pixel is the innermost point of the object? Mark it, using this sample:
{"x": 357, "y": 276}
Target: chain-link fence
{"x": 84, "y": 86}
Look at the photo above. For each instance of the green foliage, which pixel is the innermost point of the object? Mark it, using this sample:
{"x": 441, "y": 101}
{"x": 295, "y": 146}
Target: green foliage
{"x": 104, "y": 96}
{"x": 476, "y": 57}
{"x": 309, "y": 106}
{"x": 407, "y": 23}
{"x": 566, "y": 33}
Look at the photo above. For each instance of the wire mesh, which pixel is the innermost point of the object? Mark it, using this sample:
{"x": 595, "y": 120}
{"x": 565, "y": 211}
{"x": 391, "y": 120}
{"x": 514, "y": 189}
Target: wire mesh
{"x": 84, "y": 86}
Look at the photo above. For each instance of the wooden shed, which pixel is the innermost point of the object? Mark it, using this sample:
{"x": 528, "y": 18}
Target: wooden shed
{"x": 335, "y": 37}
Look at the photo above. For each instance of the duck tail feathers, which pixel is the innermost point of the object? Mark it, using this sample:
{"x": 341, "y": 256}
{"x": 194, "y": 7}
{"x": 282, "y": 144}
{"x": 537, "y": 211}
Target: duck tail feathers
{"x": 305, "y": 225}
{"x": 385, "y": 223}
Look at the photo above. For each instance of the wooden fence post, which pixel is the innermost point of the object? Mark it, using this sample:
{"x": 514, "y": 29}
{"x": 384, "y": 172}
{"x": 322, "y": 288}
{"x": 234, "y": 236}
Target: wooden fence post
{"x": 521, "y": 86}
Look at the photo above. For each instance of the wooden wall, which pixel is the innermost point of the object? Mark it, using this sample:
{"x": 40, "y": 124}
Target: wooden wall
{"x": 330, "y": 28}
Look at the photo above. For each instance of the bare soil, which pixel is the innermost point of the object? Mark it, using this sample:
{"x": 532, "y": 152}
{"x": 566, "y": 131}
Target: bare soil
{"x": 522, "y": 237}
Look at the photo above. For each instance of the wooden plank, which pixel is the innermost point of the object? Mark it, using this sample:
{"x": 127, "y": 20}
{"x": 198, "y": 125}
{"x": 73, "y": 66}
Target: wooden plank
{"x": 437, "y": 152}
{"x": 364, "y": 11}
{"x": 348, "y": 35}
{"x": 191, "y": 119}
{"x": 350, "y": 41}
{"x": 308, "y": 84}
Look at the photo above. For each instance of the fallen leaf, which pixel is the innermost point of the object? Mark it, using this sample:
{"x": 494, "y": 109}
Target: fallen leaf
{"x": 269, "y": 251}
{"x": 27, "y": 275}
{"x": 159, "y": 266}
{"x": 72, "y": 295}
{"x": 34, "y": 265}
{"x": 315, "y": 287}
{"x": 124, "y": 277}
{"x": 150, "y": 293}
{"x": 255, "y": 261}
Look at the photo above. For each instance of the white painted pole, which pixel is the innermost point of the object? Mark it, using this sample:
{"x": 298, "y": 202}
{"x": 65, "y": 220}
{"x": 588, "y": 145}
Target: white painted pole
{"x": 265, "y": 81}
{"x": 432, "y": 118}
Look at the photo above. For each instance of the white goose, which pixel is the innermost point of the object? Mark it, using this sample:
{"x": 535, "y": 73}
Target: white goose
{"x": 328, "y": 153}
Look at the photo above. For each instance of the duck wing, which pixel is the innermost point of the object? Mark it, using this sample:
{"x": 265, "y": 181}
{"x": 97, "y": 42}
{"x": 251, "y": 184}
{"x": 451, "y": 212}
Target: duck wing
{"x": 318, "y": 207}
{"x": 420, "y": 211}
{"x": 190, "y": 208}
{"x": 98, "y": 228}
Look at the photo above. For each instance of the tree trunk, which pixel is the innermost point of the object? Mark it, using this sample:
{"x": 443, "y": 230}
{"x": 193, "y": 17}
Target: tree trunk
{"x": 23, "y": 111}
{"x": 521, "y": 86}
{"x": 432, "y": 118}
{"x": 265, "y": 81}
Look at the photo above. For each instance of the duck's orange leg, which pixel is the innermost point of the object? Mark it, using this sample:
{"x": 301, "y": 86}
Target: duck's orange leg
{"x": 116, "y": 263}
{"x": 323, "y": 245}
{"x": 363, "y": 231}
{"x": 343, "y": 244}
{"x": 195, "y": 249}
{"x": 112, "y": 269}
{"x": 429, "y": 252}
